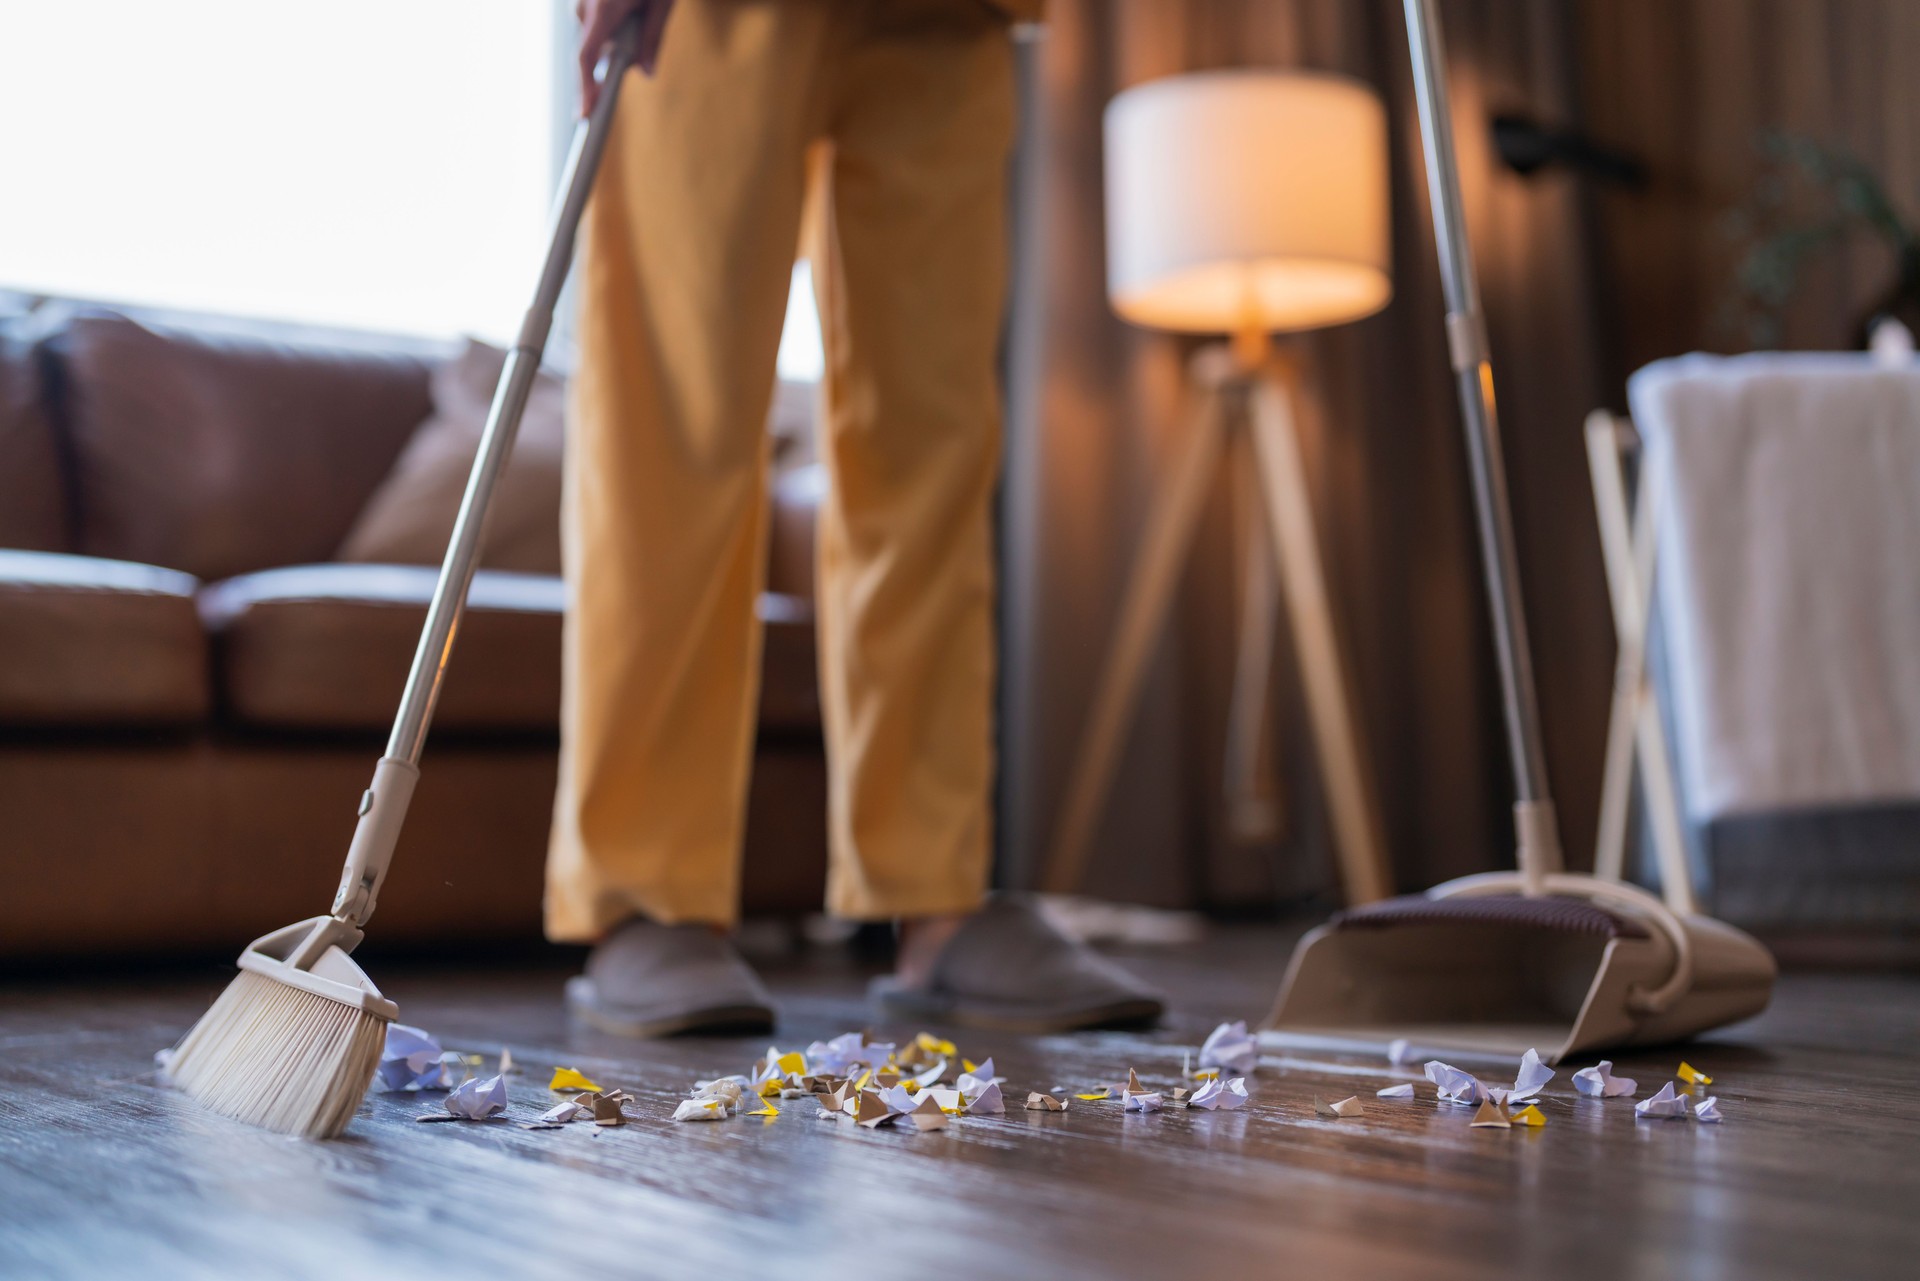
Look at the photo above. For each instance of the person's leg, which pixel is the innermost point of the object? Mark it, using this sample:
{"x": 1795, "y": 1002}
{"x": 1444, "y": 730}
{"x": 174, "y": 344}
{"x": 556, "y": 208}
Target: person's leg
{"x": 689, "y": 246}
{"x": 912, "y": 279}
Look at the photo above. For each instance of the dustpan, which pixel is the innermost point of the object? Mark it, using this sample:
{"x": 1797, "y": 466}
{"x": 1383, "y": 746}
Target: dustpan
{"x": 1490, "y": 966}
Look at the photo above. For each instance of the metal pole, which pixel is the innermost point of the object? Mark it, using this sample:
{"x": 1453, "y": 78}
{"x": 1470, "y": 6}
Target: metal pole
{"x": 503, "y": 419}
{"x": 1473, "y": 377}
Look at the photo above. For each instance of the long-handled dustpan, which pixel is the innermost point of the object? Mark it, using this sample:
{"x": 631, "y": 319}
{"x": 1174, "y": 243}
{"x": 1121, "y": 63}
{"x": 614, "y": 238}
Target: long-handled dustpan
{"x": 1496, "y": 964}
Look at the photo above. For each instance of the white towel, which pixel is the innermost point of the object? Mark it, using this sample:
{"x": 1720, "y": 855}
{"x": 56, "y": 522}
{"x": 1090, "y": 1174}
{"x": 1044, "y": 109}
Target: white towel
{"x": 1789, "y": 576}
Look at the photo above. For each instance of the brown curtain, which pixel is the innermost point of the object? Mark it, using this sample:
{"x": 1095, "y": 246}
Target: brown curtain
{"x": 1098, "y": 404}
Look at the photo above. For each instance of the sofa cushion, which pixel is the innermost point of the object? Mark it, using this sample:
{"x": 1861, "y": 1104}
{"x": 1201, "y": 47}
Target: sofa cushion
{"x": 327, "y": 647}
{"x": 223, "y": 450}
{"x": 409, "y": 519}
{"x": 89, "y": 642}
{"x": 33, "y": 492}
{"x": 797, "y": 494}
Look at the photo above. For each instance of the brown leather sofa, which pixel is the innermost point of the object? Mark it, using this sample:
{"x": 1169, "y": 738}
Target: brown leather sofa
{"x": 192, "y": 693}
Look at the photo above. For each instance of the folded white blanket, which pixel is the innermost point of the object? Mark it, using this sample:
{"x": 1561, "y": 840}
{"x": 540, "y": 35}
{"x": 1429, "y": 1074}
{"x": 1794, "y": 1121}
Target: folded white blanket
{"x": 1789, "y": 576}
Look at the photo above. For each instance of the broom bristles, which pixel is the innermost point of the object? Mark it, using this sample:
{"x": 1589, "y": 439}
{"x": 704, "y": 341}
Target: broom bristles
{"x": 277, "y": 1056}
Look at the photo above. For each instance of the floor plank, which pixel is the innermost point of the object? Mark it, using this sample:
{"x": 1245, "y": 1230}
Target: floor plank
{"x": 103, "y": 1171}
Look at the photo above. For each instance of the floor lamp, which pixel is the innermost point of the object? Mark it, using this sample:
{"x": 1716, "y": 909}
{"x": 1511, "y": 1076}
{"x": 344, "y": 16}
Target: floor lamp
{"x": 1243, "y": 203}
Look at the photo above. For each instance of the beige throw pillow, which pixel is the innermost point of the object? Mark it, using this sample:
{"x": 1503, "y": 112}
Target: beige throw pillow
{"x": 410, "y": 516}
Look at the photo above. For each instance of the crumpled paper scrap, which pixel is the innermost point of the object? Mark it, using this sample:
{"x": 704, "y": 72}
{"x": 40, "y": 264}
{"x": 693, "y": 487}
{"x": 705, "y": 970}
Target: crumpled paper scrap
{"x": 1600, "y": 1082}
{"x": 1232, "y": 1048}
{"x": 1692, "y": 1075}
{"x": 1402, "y": 1091}
{"x": 844, "y": 1051}
{"x": 1533, "y": 1078}
{"x": 1349, "y": 1106}
{"x": 980, "y": 1089}
{"x": 927, "y": 1115}
{"x": 411, "y": 1060}
{"x": 1454, "y": 1085}
{"x": 1529, "y": 1115}
{"x": 1137, "y": 1098}
{"x": 709, "y": 1109}
{"x": 478, "y": 1099}
{"x": 1218, "y": 1096}
{"x": 566, "y": 1078}
{"x": 1707, "y": 1111}
{"x": 1664, "y": 1106}
{"x": 1491, "y": 1116}
{"x": 1038, "y": 1102}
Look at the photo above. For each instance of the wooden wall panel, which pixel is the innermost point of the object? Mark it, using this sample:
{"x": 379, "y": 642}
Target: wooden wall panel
{"x": 1690, "y": 85}
{"x": 1581, "y": 288}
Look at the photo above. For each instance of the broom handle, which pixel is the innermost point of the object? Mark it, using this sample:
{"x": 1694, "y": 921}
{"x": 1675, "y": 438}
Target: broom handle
{"x": 383, "y": 807}
{"x": 1539, "y": 842}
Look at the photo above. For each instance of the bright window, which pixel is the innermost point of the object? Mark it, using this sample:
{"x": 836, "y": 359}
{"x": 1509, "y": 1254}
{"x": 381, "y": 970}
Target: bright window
{"x": 376, "y": 164}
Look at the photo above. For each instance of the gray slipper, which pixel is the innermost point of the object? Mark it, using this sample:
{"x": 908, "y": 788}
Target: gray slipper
{"x": 1008, "y": 970}
{"x": 660, "y": 980}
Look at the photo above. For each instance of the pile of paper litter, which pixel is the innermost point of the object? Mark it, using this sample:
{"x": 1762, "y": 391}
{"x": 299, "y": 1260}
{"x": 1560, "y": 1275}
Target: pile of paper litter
{"x": 874, "y": 1083}
{"x": 1671, "y": 1105}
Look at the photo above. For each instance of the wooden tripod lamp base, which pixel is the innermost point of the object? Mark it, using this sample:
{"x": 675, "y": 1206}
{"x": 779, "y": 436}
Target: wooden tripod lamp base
{"x": 1230, "y": 393}
{"x": 1245, "y": 203}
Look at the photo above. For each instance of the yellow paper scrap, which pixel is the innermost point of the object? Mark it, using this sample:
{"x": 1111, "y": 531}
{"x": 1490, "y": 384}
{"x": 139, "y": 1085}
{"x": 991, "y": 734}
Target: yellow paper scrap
{"x": 791, "y": 1064}
{"x": 766, "y": 1108}
{"x": 968, "y": 1065}
{"x": 1529, "y": 1115}
{"x": 570, "y": 1079}
{"x": 1095, "y": 1097}
{"x": 934, "y": 1045}
{"x": 1693, "y": 1075}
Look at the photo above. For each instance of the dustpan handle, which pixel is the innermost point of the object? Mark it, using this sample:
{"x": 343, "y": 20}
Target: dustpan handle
{"x": 384, "y": 805}
{"x": 1539, "y": 842}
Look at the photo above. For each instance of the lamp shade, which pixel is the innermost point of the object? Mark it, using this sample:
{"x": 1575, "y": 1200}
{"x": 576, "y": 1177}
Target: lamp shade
{"x": 1242, "y": 200}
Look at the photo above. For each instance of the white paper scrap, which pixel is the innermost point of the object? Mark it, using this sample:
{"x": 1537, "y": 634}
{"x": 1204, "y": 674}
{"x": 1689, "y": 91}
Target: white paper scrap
{"x": 1666, "y": 1105}
{"x": 982, "y": 1072}
{"x": 835, "y": 1057}
{"x": 1231, "y": 1047}
{"x": 561, "y": 1113}
{"x": 478, "y": 1099}
{"x": 411, "y": 1060}
{"x": 1402, "y": 1091}
{"x": 1533, "y": 1077}
{"x": 1143, "y": 1102}
{"x": 987, "y": 1101}
{"x": 1217, "y": 1096}
{"x": 700, "y": 1110}
{"x": 1707, "y": 1110}
{"x": 1399, "y": 1051}
{"x": 1600, "y": 1082}
{"x": 1454, "y": 1085}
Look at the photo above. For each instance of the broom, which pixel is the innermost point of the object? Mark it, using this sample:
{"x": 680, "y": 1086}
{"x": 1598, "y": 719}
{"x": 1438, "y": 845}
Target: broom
{"x": 294, "y": 1041}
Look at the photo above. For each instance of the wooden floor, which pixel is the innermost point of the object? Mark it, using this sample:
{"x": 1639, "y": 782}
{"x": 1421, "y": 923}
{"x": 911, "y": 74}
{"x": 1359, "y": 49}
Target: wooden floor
{"x": 105, "y": 1173}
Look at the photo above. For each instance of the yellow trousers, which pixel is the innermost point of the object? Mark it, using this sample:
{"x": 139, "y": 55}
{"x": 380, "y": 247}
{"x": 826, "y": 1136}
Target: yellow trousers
{"x": 684, "y": 275}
